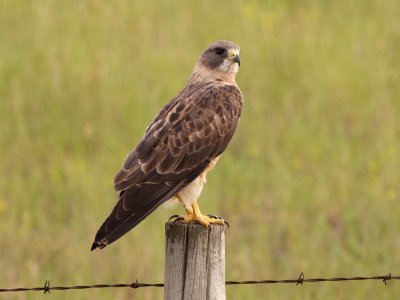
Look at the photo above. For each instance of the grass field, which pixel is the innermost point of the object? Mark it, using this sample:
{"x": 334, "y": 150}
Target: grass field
{"x": 309, "y": 183}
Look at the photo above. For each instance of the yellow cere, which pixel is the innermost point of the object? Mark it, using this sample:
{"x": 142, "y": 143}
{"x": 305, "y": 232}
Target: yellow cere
{"x": 233, "y": 53}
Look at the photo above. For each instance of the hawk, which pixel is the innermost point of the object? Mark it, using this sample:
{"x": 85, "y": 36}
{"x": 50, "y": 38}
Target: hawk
{"x": 180, "y": 146}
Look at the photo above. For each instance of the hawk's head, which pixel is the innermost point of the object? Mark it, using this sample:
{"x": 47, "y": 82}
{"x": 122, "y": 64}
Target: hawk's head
{"x": 221, "y": 55}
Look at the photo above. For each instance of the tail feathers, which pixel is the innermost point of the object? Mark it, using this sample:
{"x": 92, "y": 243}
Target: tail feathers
{"x": 121, "y": 221}
{"x": 94, "y": 246}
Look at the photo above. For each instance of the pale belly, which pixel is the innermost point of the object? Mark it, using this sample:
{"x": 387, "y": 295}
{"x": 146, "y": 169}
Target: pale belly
{"x": 192, "y": 191}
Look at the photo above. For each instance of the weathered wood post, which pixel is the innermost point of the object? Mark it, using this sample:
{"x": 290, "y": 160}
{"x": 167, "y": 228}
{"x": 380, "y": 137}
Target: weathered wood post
{"x": 194, "y": 262}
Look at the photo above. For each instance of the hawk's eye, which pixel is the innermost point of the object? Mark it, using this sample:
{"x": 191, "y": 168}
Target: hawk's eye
{"x": 219, "y": 51}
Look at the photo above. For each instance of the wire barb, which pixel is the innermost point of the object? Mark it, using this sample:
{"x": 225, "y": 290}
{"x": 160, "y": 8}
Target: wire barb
{"x": 300, "y": 280}
{"x": 135, "y": 285}
{"x": 387, "y": 278}
{"x": 46, "y": 287}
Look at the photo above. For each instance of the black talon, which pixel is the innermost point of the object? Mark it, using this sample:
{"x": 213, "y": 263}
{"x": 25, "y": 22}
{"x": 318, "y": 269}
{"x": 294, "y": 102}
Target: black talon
{"x": 214, "y": 217}
{"x": 219, "y": 218}
{"x": 178, "y": 217}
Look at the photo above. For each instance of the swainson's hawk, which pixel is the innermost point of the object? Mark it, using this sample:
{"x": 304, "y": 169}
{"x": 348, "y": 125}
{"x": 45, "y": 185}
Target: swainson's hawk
{"x": 183, "y": 142}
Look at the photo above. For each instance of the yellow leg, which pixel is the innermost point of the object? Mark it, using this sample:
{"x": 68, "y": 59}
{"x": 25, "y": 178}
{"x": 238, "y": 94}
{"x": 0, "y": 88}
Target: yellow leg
{"x": 188, "y": 209}
{"x": 195, "y": 215}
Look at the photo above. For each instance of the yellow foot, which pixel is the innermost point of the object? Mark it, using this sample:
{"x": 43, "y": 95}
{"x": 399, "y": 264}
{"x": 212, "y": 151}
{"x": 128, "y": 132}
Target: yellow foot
{"x": 202, "y": 219}
{"x": 194, "y": 215}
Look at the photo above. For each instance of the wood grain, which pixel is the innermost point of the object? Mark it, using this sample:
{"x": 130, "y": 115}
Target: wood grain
{"x": 194, "y": 262}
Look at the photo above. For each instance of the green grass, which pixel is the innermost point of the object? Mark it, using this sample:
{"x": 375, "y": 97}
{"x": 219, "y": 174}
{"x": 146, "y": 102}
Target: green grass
{"x": 310, "y": 182}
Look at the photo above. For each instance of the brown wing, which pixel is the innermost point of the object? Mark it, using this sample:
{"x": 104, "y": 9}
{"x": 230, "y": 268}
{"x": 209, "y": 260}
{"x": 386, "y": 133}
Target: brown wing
{"x": 187, "y": 133}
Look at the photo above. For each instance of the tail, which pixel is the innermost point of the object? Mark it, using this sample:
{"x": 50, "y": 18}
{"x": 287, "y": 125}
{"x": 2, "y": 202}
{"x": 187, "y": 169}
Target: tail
{"x": 134, "y": 204}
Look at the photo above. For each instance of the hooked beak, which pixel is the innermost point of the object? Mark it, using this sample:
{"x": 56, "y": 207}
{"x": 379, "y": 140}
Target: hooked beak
{"x": 234, "y": 56}
{"x": 237, "y": 59}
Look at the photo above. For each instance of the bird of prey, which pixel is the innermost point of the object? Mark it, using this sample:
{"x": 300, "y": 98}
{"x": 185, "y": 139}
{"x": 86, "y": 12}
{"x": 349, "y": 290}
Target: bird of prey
{"x": 180, "y": 146}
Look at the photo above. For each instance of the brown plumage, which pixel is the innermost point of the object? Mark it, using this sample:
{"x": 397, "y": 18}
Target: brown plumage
{"x": 190, "y": 131}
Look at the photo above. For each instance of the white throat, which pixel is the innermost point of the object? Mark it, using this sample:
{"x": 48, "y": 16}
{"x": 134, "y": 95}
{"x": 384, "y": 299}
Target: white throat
{"x": 229, "y": 66}
{"x": 202, "y": 73}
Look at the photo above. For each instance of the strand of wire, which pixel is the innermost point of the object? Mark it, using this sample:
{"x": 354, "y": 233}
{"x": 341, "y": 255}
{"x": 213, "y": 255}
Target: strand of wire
{"x": 299, "y": 281}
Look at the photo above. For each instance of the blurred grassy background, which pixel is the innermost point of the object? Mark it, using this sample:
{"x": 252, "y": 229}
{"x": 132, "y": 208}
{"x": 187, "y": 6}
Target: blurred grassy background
{"x": 310, "y": 182}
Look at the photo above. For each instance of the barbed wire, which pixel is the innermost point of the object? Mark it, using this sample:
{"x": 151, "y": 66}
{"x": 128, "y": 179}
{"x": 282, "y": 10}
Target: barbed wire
{"x": 299, "y": 281}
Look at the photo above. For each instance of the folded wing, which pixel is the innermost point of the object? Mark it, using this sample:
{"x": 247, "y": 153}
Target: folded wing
{"x": 185, "y": 136}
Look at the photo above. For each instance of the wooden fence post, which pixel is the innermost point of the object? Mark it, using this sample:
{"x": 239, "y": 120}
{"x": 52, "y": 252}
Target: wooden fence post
{"x": 194, "y": 262}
